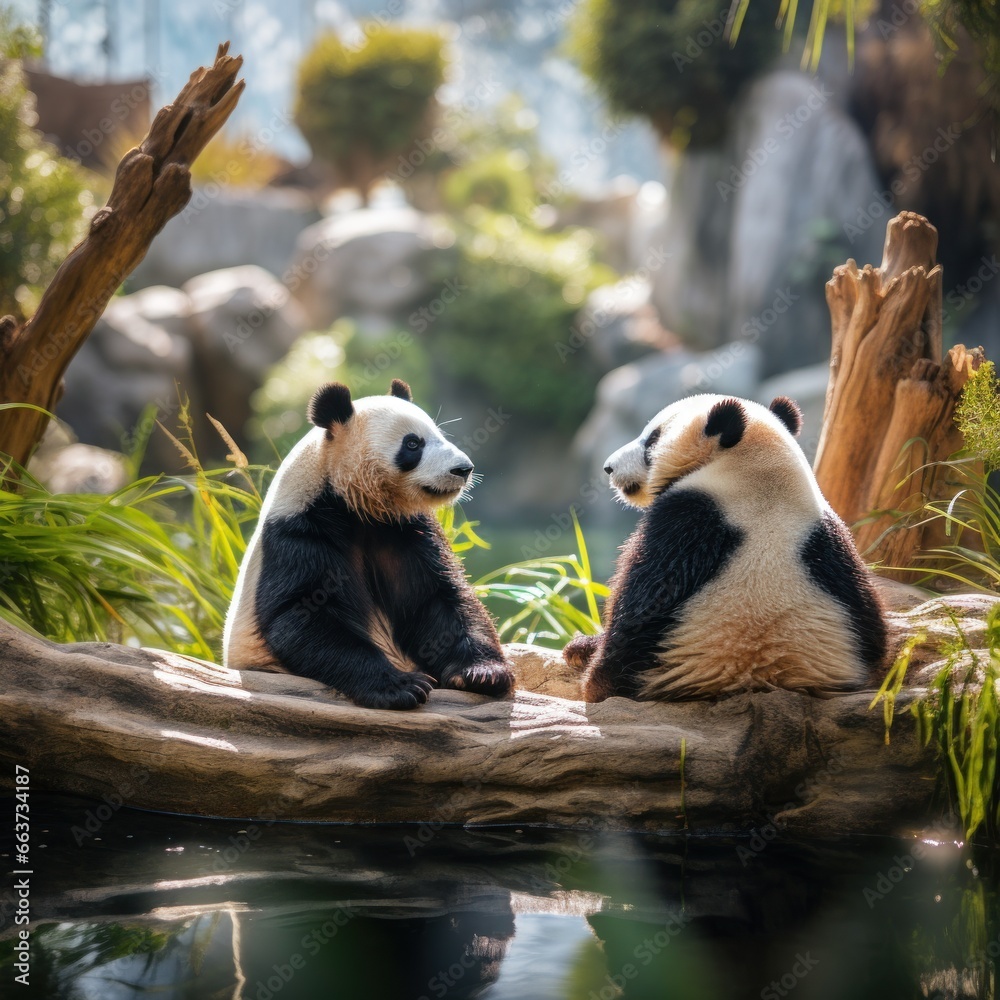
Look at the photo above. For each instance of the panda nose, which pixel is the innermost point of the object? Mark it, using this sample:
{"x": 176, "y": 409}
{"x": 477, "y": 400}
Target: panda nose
{"x": 462, "y": 471}
{"x": 609, "y": 468}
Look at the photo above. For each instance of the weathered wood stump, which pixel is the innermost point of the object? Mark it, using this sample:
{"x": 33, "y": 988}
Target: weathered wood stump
{"x": 88, "y": 718}
{"x": 891, "y": 399}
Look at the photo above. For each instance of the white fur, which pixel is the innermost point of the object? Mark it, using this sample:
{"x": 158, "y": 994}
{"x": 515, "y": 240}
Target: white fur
{"x": 750, "y": 625}
{"x": 359, "y": 462}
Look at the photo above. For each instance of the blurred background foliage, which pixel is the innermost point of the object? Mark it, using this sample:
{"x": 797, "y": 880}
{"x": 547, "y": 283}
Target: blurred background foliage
{"x": 360, "y": 106}
{"x": 44, "y": 198}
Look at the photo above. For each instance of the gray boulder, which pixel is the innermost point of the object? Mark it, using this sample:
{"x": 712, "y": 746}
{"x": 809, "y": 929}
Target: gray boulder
{"x": 242, "y": 321}
{"x": 224, "y": 227}
{"x": 755, "y": 231}
{"x": 374, "y": 261}
{"x": 618, "y": 324}
{"x": 137, "y": 355}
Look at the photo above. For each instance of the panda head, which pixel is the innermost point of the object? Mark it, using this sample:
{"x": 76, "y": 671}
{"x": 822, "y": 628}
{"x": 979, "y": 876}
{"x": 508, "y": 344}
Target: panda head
{"x": 694, "y": 433}
{"x": 384, "y": 455}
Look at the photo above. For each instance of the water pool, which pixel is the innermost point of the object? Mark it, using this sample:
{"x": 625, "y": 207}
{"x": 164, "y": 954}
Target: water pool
{"x": 127, "y": 904}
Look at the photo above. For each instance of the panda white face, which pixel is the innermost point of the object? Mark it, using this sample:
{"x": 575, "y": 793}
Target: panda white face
{"x": 691, "y": 433}
{"x": 385, "y": 455}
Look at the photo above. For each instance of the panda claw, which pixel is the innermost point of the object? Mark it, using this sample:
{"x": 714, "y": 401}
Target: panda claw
{"x": 408, "y": 691}
{"x": 494, "y": 679}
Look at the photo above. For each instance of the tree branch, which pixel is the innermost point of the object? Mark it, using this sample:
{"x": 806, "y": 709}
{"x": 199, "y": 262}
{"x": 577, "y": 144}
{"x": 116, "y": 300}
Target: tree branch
{"x": 152, "y": 184}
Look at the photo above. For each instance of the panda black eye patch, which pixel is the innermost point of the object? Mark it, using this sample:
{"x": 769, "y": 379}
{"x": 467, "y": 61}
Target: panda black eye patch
{"x": 411, "y": 450}
{"x": 650, "y": 442}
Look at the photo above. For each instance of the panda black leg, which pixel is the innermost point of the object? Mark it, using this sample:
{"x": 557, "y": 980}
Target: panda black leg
{"x": 312, "y": 646}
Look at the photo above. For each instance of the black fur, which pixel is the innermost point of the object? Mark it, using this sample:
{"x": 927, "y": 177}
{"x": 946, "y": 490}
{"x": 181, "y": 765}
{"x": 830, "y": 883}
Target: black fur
{"x": 728, "y": 420}
{"x": 331, "y": 404}
{"x": 788, "y": 412}
{"x": 682, "y": 543}
{"x": 411, "y": 450}
{"x": 835, "y": 566}
{"x": 325, "y": 572}
{"x": 401, "y": 390}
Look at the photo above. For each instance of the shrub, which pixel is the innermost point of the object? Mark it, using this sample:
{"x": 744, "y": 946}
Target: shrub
{"x": 499, "y": 181}
{"x": 520, "y": 293}
{"x": 44, "y": 202}
{"x": 360, "y": 107}
{"x": 669, "y": 60}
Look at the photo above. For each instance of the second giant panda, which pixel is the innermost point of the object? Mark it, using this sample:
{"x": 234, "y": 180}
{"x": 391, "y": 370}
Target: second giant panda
{"x": 739, "y": 575}
{"x": 348, "y": 578}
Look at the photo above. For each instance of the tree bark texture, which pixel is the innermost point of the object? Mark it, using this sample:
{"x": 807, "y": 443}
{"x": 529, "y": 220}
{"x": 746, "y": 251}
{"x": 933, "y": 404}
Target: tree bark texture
{"x": 245, "y": 744}
{"x": 892, "y": 394}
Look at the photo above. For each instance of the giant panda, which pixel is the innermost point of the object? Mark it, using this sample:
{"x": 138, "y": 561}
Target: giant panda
{"x": 739, "y": 574}
{"x": 348, "y": 578}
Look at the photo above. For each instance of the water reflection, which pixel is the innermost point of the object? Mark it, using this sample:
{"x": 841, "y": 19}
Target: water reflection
{"x": 278, "y": 911}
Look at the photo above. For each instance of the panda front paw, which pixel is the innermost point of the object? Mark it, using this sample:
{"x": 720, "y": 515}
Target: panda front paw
{"x": 402, "y": 691}
{"x": 494, "y": 679}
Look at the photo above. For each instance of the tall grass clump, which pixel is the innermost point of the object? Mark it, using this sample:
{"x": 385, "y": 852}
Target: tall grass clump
{"x": 153, "y": 563}
{"x": 545, "y": 600}
{"x": 960, "y": 713}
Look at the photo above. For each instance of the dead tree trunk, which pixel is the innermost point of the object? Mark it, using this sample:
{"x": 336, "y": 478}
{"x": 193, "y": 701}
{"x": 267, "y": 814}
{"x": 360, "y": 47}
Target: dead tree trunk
{"x": 152, "y": 184}
{"x": 891, "y": 399}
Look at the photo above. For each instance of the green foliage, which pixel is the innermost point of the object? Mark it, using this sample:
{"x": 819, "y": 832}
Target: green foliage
{"x": 978, "y": 415}
{"x": 519, "y": 291}
{"x": 360, "y": 107}
{"x": 961, "y": 716}
{"x": 554, "y": 597}
{"x": 497, "y": 146}
{"x": 18, "y": 40}
{"x": 155, "y": 562}
{"x": 499, "y": 181}
{"x": 947, "y": 19}
{"x": 669, "y": 61}
{"x": 43, "y": 198}
{"x": 970, "y": 516}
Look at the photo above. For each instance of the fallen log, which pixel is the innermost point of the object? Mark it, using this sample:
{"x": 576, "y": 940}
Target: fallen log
{"x": 91, "y": 718}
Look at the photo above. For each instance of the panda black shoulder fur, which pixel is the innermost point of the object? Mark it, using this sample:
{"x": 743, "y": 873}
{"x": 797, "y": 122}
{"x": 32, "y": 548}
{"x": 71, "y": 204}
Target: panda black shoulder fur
{"x": 349, "y": 578}
{"x": 739, "y": 575}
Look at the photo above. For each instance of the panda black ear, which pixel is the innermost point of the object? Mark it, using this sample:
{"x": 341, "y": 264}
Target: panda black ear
{"x": 331, "y": 404}
{"x": 401, "y": 390}
{"x": 788, "y": 412}
{"x": 728, "y": 420}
